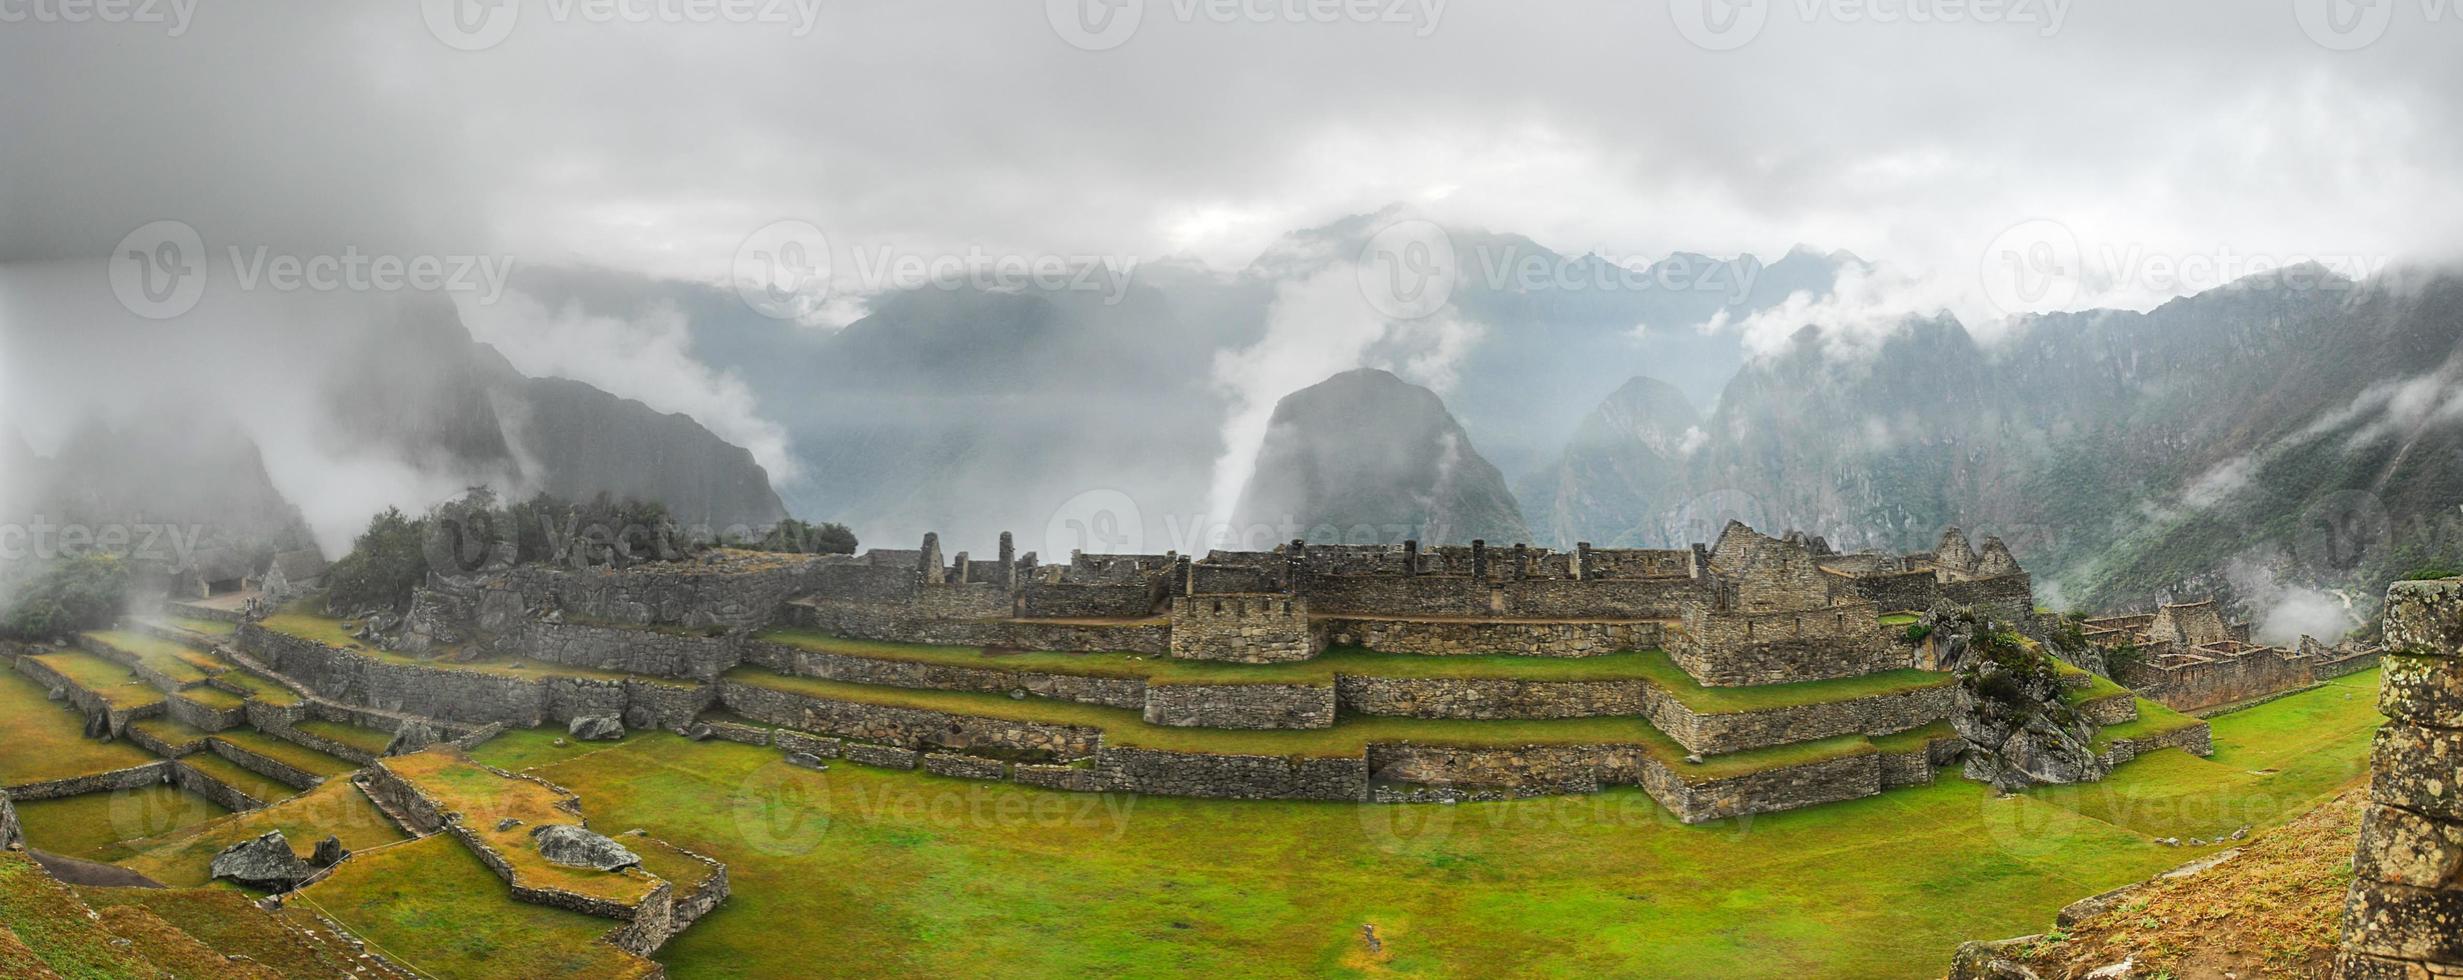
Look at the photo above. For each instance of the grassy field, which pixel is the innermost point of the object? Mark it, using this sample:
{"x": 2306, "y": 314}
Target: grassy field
{"x": 260, "y": 689}
{"x": 223, "y": 919}
{"x": 46, "y": 921}
{"x": 432, "y": 904}
{"x": 171, "y": 732}
{"x": 902, "y": 874}
{"x": 339, "y": 809}
{"x": 92, "y": 826}
{"x": 41, "y": 740}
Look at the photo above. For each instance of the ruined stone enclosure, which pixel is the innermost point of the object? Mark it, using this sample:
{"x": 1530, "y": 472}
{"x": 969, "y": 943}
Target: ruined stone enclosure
{"x": 1745, "y": 676}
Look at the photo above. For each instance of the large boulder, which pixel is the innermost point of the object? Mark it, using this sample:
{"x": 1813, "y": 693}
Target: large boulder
{"x": 576, "y": 847}
{"x": 414, "y": 736}
{"x": 596, "y": 728}
{"x": 2010, "y": 709}
{"x": 266, "y": 864}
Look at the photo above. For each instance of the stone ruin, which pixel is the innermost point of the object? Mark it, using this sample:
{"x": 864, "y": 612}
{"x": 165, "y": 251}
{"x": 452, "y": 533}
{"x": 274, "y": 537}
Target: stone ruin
{"x": 2404, "y": 917}
{"x": 2191, "y": 659}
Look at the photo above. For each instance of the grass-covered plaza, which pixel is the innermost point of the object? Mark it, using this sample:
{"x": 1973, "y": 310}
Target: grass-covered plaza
{"x": 859, "y": 871}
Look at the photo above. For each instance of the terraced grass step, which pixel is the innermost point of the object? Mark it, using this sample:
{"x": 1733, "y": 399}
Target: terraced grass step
{"x": 291, "y": 754}
{"x": 185, "y": 666}
{"x": 1652, "y": 666}
{"x": 42, "y": 741}
{"x": 262, "y": 788}
{"x": 113, "y": 684}
{"x": 212, "y": 698}
{"x": 284, "y": 941}
{"x": 367, "y": 740}
{"x": 42, "y": 920}
{"x": 261, "y": 689}
{"x": 502, "y": 812}
{"x": 2154, "y": 720}
{"x": 1347, "y": 738}
{"x": 184, "y": 858}
{"x": 431, "y": 901}
{"x": 171, "y": 733}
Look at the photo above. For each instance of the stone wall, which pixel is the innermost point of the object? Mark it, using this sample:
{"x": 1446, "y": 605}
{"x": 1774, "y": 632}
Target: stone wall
{"x": 1813, "y": 783}
{"x": 1249, "y": 629}
{"x": 275, "y": 770}
{"x": 1716, "y": 733}
{"x": 204, "y": 718}
{"x": 904, "y": 726}
{"x": 133, "y": 777}
{"x": 2226, "y": 680}
{"x": 1914, "y": 591}
{"x": 1110, "y": 692}
{"x": 1241, "y": 777}
{"x": 11, "y": 836}
{"x": 1240, "y": 705}
{"x": 2196, "y": 740}
{"x": 1488, "y": 698}
{"x": 223, "y": 794}
{"x": 2404, "y": 915}
{"x": 89, "y": 702}
{"x": 1475, "y": 637}
{"x": 1722, "y": 649}
{"x": 735, "y": 589}
{"x": 902, "y": 624}
{"x": 1090, "y": 600}
{"x": 629, "y": 650}
{"x": 466, "y": 696}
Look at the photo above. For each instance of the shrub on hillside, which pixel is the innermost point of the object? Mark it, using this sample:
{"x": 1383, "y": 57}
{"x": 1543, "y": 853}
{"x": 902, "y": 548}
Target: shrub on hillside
{"x": 385, "y": 564}
{"x": 72, "y": 594}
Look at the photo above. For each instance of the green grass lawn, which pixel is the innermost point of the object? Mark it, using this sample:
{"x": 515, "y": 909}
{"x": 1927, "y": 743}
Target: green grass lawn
{"x": 367, "y": 740}
{"x": 41, "y": 740}
{"x": 116, "y": 685}
{"x": 2153, "y": 719}
{"x": 184, "y": 665}
{"x": 914, "y": 875}
{"x": 92, "y": 826}
{"x": 182, "y": 858}
{"x": 296, "y": 756}
{"x": 51, "y": 926}
{"x": 431, "y": 904}
{"x": 213, "y": 698}
{"x": 223, "y": 919}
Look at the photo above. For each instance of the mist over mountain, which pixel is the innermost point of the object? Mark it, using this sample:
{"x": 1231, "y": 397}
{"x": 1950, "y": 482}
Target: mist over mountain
{"x": 969, "y": 411}
{"x": 2287, "y": 434}
{"x": 1365, "y": 457}
{"x": 1618, "y": 470}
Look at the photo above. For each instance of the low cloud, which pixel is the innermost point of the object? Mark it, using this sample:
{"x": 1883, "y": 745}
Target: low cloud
{"x": 648, "y": 358}
{"x": 2284, "y": 612}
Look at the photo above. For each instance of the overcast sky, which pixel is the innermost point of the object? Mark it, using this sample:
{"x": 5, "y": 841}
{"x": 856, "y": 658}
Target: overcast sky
{"x": 2193, "y": 130}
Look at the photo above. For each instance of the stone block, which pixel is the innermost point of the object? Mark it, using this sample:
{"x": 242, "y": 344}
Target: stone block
{"x": 2427, "y": 690}
{"x": 2403, "y": 922}
{"x": 885, "y": 756}
{"x": 2419, "y": 769}
{"x": 2404, "y": 848}
{"x": 2425, "y": 617}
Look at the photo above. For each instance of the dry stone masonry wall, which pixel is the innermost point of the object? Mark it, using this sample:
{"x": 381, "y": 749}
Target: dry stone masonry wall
{"x": 2404, "y": 917}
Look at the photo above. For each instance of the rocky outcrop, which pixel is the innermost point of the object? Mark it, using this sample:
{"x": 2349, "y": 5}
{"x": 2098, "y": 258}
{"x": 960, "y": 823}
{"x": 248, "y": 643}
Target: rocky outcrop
{"x": 576, "y": 847}
{"x": 2404, "y": 916}
{"x": 413, "y": 737}
{"x": 11, "y": 837}
{"x": 266, "y": 864}
{"x": 329, "y": 852}
{"x": 2010, "y": 710}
